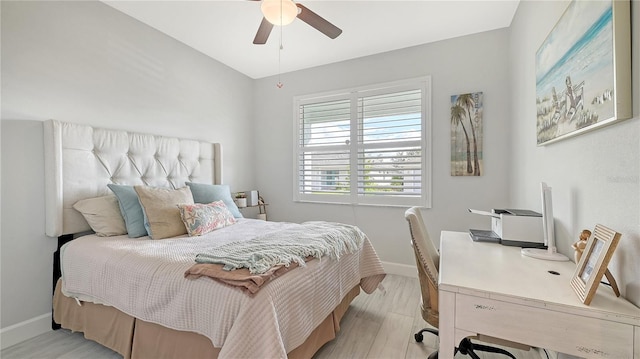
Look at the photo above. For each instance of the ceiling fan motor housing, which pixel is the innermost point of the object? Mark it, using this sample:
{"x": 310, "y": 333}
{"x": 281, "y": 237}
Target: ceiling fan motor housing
{"x": 279, "y": 12}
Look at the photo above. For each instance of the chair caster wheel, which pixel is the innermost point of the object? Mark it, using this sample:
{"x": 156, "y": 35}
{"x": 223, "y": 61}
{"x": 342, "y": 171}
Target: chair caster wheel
{"x": 419, "y": 337}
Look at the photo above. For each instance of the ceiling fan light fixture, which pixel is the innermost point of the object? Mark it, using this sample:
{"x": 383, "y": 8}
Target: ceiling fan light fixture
{"x": 279, "y": 12}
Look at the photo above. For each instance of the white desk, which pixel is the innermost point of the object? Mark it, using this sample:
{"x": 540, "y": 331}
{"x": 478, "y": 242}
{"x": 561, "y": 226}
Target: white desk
{"x": 491, "y": 289}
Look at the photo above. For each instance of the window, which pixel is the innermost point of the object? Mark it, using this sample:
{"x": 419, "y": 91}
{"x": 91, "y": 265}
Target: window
{"x": 365, "y": 146}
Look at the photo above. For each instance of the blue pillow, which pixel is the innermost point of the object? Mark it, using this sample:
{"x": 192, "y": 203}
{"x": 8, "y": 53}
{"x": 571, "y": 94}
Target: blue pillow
{"x": 130, "y": 208}
{"x": 207, "y": 193}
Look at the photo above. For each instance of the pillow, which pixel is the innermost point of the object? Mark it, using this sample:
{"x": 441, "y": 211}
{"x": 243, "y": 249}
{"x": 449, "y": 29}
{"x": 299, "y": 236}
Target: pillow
{"x": 207, "y": 193}
{"x": 161, "y": 214}
{"x": 103, "y": 215}
{"x": 203, "y": 218}
{"x": 130, "y": 209}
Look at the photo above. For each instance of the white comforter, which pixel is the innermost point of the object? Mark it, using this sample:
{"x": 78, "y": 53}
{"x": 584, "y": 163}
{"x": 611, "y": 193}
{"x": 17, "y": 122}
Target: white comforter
{"x": 145, "y": 279}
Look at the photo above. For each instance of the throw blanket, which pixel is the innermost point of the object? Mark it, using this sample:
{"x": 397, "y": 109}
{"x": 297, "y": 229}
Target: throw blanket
{"x": 241, "y": 278}
{"x": 293, "y": 245}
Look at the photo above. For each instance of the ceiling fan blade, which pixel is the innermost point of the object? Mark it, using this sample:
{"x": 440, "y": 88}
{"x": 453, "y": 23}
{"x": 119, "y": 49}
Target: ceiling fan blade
{"x": 316, "y": 21}
{"x": 263, "y": 32}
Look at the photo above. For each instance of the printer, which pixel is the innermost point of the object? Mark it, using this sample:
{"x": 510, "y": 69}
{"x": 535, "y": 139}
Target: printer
{"x": 511, "y": 227}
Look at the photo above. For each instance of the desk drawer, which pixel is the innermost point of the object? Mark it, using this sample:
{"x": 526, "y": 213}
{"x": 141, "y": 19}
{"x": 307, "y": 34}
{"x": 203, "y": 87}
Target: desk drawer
{"x": 566, "y": 333}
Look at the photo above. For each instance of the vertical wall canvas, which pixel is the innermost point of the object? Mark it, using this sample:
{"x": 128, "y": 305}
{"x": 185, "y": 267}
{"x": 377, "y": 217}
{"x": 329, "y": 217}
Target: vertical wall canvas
{"x": 583, "y": 70}
{"x": 466, "y": 134}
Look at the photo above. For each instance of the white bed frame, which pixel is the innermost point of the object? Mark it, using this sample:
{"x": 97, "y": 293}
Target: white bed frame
{"x": 81, "y": 160}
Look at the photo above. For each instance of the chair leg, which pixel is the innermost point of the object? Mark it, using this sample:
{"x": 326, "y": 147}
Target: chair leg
{"x": 467, "y": 347}
{"x": 419, "y": 337}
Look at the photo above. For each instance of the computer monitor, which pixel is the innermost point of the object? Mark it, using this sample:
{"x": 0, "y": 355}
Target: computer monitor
{"x": 548, "y": 230}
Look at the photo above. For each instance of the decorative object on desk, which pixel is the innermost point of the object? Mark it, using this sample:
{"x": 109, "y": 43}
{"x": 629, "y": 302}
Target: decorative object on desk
{"x": 548, "y": 230}
{"x": 466, "y": 121}
{"x": 593, "y": 263}
{"x": 240, "y": 200}
{"x": 583, "y": 70}
{"x": 580, "y": 244}
{"x": 579, "y": 247}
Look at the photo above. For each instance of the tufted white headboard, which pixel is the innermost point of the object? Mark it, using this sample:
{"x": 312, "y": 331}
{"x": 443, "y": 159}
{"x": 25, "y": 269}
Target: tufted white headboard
{"x": 81, "y": 160}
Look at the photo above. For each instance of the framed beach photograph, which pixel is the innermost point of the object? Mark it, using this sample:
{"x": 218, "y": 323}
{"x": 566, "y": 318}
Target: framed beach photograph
{"x": 593, "y": 263}
{"x": 583, "y": 70}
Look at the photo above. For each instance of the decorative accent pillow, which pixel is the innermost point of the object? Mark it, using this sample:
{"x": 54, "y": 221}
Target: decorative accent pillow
{"x": 161, "y": 214}
{"x": 130, "y": 209}
{"x": 207, "y": 193}
{"x": 103, "y": 215}
{"x": 202, "y": 218}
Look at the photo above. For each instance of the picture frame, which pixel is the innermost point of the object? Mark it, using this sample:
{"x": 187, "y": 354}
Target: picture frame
{"x": 594, "y": 261}
{"x": 583, "y": 70}
{"x": 466, "y": 134}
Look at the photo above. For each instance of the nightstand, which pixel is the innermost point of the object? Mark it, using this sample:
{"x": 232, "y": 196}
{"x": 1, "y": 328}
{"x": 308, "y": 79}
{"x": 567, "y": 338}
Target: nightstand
{"x": 261, "y": 206}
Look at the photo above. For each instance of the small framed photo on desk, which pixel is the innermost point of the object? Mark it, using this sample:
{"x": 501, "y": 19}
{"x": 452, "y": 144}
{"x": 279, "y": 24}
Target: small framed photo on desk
{"x": 594, "y": 261}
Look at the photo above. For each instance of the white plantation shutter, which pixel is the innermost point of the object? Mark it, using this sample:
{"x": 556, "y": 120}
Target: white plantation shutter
{"x": 365, "y": 146}
{"x": 389, "y": 145}
{"x": 324, "y": 150}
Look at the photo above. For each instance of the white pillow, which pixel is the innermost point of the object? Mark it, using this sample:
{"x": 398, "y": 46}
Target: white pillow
{"x": 103, "y": 215}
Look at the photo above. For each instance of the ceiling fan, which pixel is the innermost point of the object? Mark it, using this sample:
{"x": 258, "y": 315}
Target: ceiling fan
{"x": 283, "y": 12}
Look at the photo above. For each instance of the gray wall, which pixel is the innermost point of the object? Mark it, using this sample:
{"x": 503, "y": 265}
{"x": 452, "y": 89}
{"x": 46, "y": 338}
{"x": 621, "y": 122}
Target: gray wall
{"x": 85, "y": 62}
{"x": 595, "y": 176}
{"x": 467, "y": 64}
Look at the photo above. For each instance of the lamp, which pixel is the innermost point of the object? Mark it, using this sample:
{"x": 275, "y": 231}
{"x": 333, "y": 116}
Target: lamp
{"x": 279, "y": 12}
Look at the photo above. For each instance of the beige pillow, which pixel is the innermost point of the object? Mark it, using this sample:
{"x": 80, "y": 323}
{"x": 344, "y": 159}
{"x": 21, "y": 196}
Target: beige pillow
{"x": 162, "y": 216}
{"x": 103, "y": 215}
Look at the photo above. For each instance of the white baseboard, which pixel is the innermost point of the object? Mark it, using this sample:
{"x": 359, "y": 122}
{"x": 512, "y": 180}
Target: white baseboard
{"x": 400, "y": 269}
{"x": 22, "y": 331}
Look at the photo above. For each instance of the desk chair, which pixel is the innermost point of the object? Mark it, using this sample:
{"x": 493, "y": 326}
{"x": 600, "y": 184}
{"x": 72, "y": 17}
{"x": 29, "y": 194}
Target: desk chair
{"x": 427, "y": 261}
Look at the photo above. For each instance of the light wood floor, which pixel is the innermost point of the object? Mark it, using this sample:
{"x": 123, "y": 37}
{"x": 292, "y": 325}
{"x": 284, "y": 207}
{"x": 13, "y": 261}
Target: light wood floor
{"x": 379, "y": 325}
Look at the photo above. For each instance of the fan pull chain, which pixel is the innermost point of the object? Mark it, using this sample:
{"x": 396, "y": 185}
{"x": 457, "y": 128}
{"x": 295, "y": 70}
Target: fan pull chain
{"x": 280, "y": 84}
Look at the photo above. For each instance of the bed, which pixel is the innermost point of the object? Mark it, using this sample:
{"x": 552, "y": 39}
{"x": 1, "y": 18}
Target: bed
{"x": 145, "y": 297}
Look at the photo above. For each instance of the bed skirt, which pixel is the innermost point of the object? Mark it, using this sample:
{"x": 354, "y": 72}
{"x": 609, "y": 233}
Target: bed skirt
{"x": 137, "y": 339}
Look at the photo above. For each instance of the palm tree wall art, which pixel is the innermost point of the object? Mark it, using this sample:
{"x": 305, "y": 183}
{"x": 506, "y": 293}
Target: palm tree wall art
{"x": 466, "y": 134}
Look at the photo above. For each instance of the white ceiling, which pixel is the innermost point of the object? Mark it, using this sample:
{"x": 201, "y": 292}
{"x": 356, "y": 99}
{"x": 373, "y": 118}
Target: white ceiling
{"x": 224, "y": 30}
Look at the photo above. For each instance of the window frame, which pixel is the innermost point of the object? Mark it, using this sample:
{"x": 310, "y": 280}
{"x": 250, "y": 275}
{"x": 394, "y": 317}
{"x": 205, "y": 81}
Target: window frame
{"x": 353, "y": 94}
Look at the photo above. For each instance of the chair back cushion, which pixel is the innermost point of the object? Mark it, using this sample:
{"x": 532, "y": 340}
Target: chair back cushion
{"x": 427, "y": 262}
